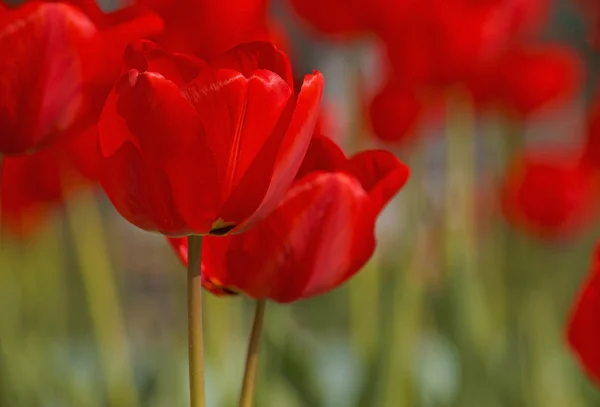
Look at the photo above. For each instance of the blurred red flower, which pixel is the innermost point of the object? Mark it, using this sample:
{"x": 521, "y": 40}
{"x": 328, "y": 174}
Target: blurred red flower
{"x": 34, "y": 185}
{"x": 56, "y": 69}
{"x": 529, "y": 77}
{"x": 592, "y": 145}
{"x": 194, "y": 147}
{"x": 320, "y": 235}
{"x": 341, "y": 18}
{"x": 550, "y": 194}
{"x": 583, "y": 332}
{"x": 395, "y": 112}
{"x": 426, "y": 47}
{"x": 206, "y": 28}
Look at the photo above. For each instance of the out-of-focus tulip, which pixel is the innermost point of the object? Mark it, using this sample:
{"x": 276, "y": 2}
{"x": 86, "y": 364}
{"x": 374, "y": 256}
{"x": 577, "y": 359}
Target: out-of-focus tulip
{"x": 395, "y": 112}
{"x": 530, "y": 77}
{"x": 321, "y": 233}
{"x": 592, "y": 146}
{"x": 194, "y": 147}
{"x": 56, "y": 68}
{"x": 550, "y": 194}
{"x": 583, "y": 332}
{"x": 206, "y": 28}
{"x": 341, "y": 18}
{"x": 32, "y": 186}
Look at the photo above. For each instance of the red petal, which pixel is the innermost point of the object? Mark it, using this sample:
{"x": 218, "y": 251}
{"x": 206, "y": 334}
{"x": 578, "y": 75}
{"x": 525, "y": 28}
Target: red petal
{"x": 322, "y": 155}
{"x": 395, "y": 112}
{"x": 295, "y": 144}
{"x": 145, "y": 55}
{"x": 241, "y": 117}
{"x": 141, "y": 193}
{"x": 249, "y": 57}
{"x": 207, "y": 28}
{"x": 148, "y": 112}
{"x": 114, "y": 40}
{"x": 30, "y": 188}
{"x": 549, "y": 194}
{"x": 305, "y": 247}
{"x": 41, "y": 82}
{"x": 531, "y": 78}
{"x": 380, "y": 173}
{"x": 584, "y": 328}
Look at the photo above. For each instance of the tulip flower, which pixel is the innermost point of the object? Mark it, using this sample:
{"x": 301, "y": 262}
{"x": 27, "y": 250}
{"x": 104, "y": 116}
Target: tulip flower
{"x": 334, "y": 17}
{"x": 395, "y": 112}
{"x": 207, "y": 28}
{"x": 56, "y": 68}
{"x": 583, "y": 332}
{"x": 320, "y": 234}
{"x": 193, "y": 147}
{"x": 550, "y": 194}
{"x": 528, "y": 78}
{"x": 592, "y": 145}
{"x": 33, "y": 186}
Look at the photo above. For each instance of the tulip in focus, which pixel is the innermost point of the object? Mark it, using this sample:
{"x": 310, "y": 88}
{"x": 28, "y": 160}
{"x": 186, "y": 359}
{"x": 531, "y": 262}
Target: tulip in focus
{"x": 194, "y": 147}
{"x": 320, "y": 234}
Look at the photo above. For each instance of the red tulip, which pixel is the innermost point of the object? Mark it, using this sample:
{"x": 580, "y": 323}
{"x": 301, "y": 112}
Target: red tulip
{"x": 207, "y": 28}
{"x": 531, "y": 77}
{"x": 583, "y": 332}
{"x": 592, "y": 146}
{"x": 428, "y": 49}
{"x": 32, "y": 186}
{"x": 334, "y": 17}
{"x": 320, "y": 234}
{"x": 549, "y": 194}
{"x": 395, "y": 112}
{"x": 194, "y": 147}
{"x": 56, "y": 68}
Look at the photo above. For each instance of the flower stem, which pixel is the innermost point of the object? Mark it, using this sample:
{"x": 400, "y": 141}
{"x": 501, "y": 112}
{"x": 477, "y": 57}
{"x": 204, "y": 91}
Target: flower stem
{"x": 1, "y": 167}
{"x": 195, "y": 340}
{"x": 247, "y": 395}
{"x": 85, "y": 223}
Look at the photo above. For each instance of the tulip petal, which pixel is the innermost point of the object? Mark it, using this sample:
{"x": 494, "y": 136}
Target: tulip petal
{"x": 322, "y": 155}
{"x": 148, "y": 112}
{"x": 180, "y": 69}
{"x": 249, "y": 57}
{"x": 304, "y": 246}
{"x": 41, "y": 81}
{"x": 380, "y": 173}
{"x": 584, "y": 328}
{"x": 242, "y": 121}
{"x": 141, "y": 193}
{"x": 294, "y": 146}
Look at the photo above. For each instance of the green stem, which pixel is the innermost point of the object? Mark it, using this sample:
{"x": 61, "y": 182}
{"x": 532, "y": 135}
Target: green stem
{"x": 1, "y": 231}
{"x": 195, "y": 339}
{"x": 249, "y": 383}
{"x": 85, "y": 224}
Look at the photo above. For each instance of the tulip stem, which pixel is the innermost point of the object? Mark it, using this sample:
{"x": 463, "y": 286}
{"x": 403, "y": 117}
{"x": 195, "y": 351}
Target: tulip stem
{"x": 248, "y": 386}
{"x": 195, "y": 341}
{"x": 1, "y": 167}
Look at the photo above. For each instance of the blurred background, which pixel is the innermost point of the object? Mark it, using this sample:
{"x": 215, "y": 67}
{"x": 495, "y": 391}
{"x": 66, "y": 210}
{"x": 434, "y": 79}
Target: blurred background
{"x": 479, "y": 257}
